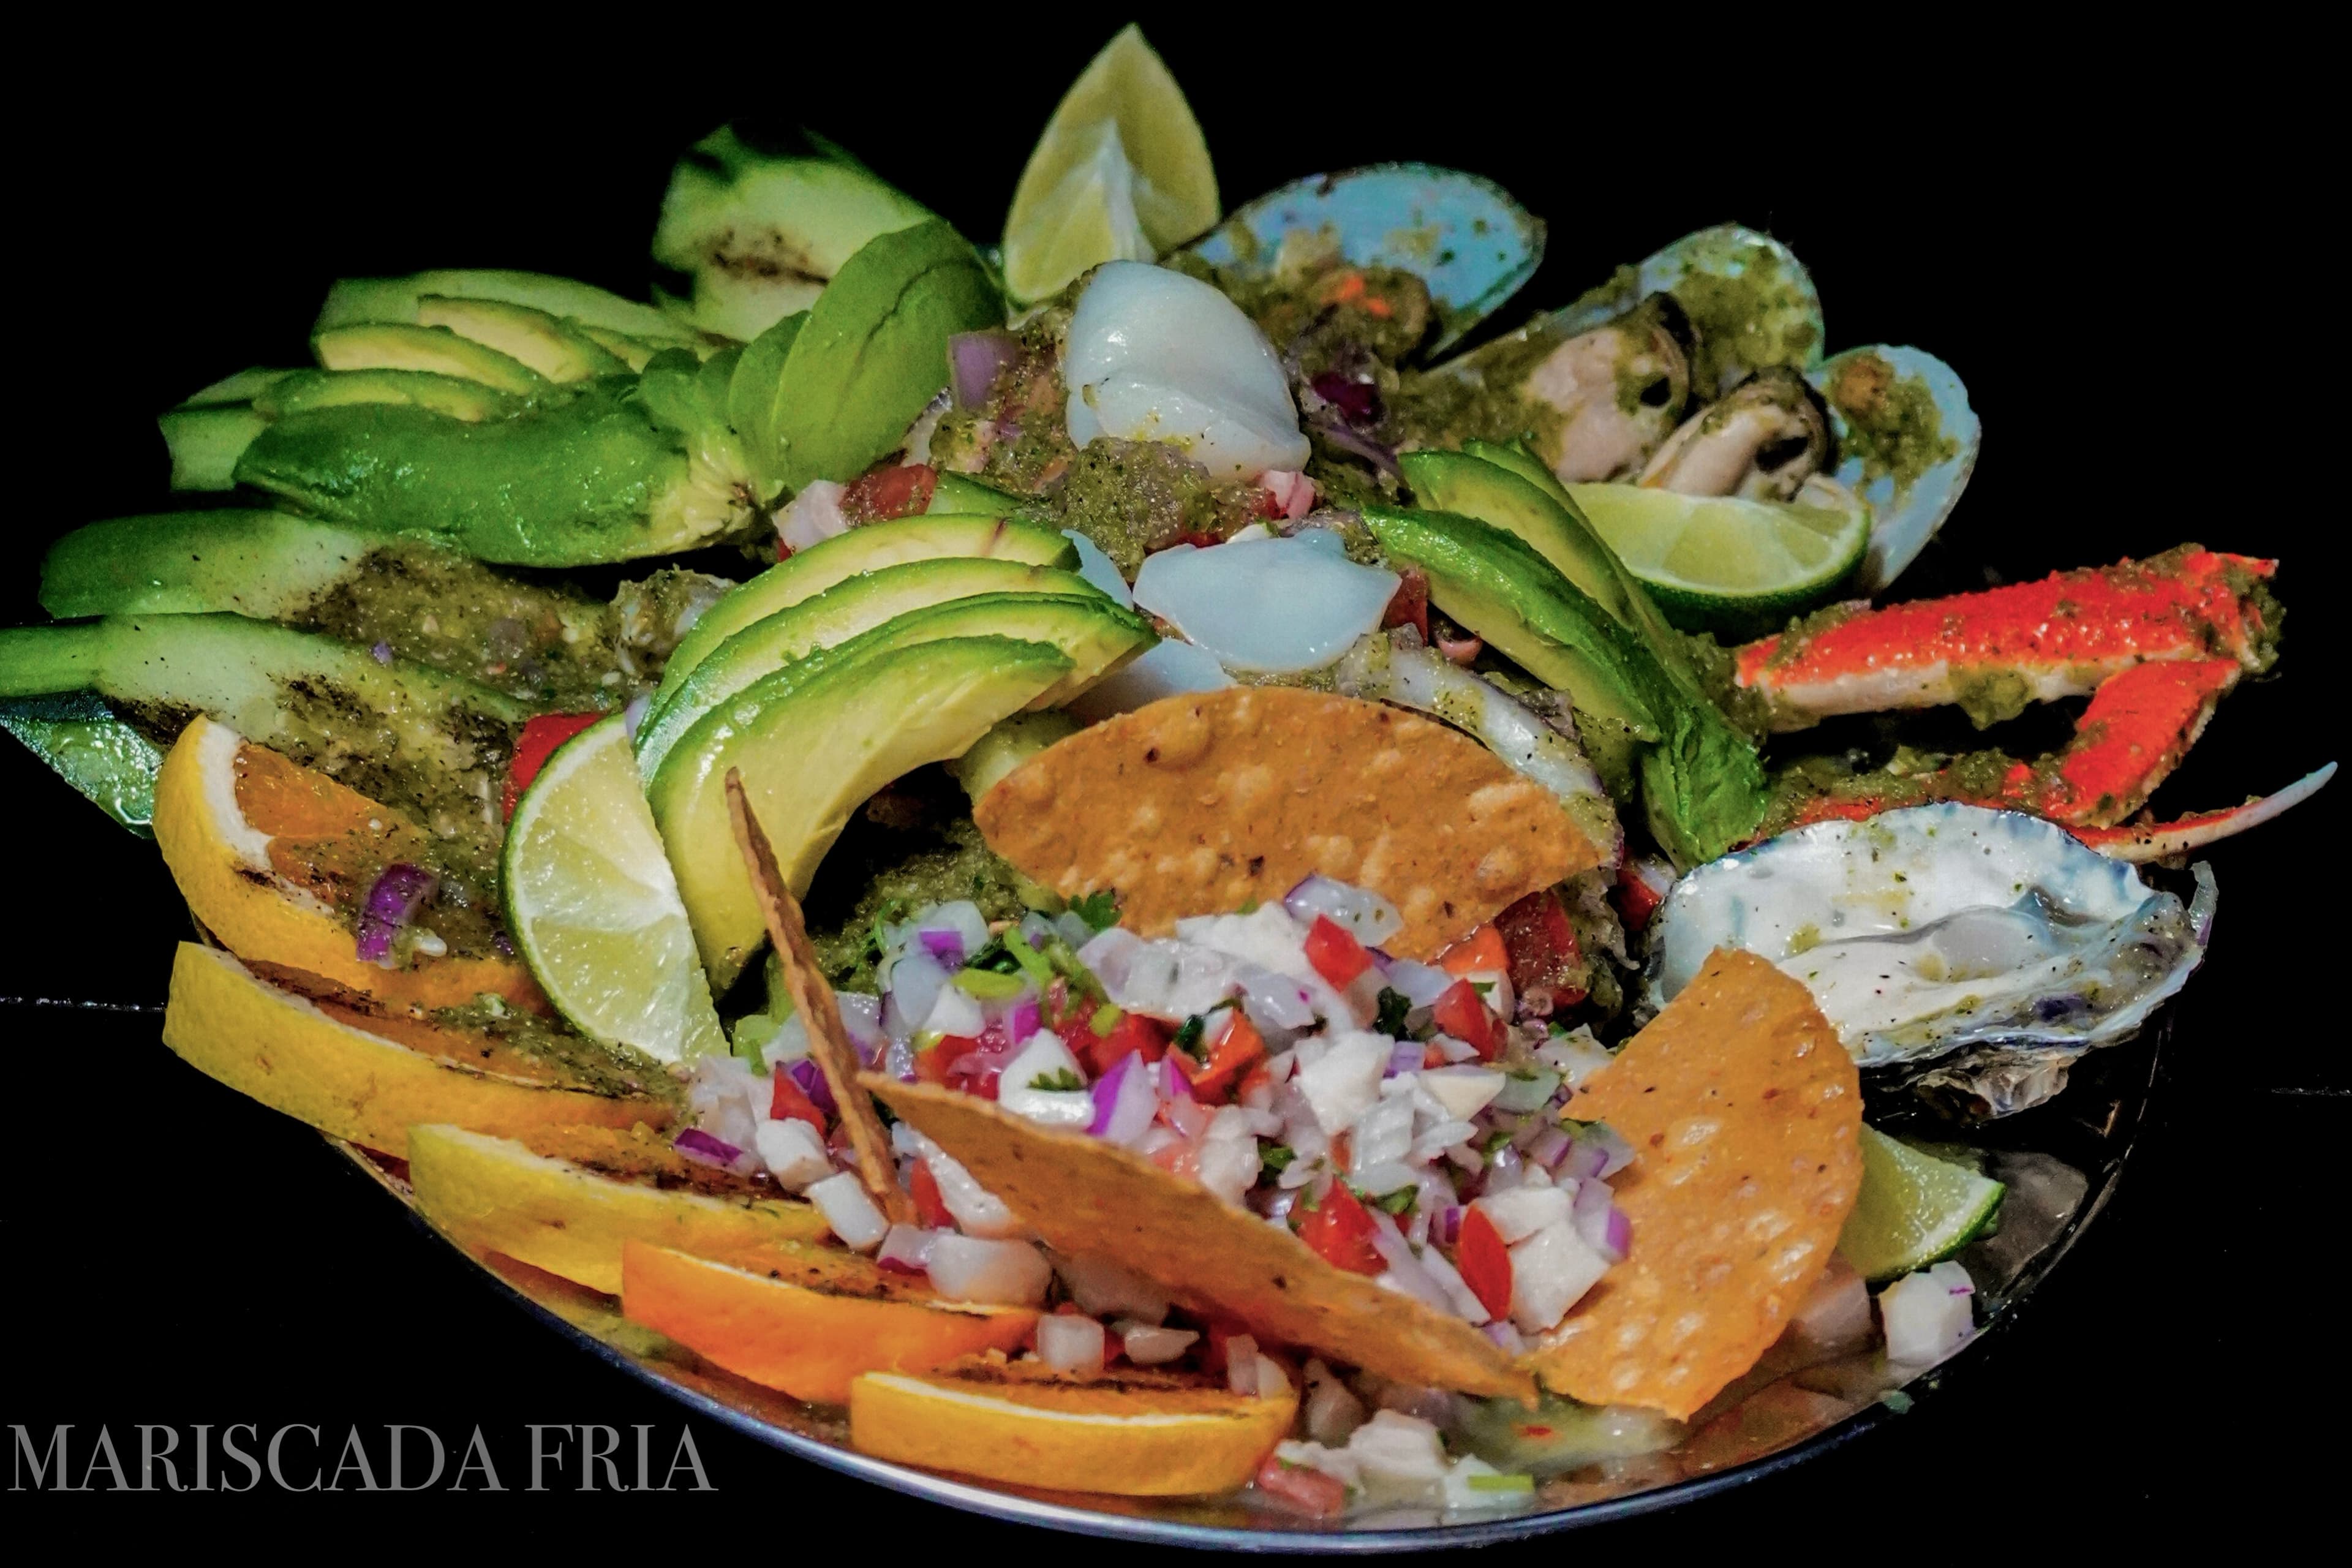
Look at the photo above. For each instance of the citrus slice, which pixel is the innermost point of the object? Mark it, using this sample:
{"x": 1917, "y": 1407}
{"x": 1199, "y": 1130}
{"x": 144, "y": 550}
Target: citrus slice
{"x": 1122, "y": 173}
{"x": 269, "y": 856}
{"x": 1128, "y": 1440}
{"x": 566, "y": 1200}
{"x": 1724, "y": 563}
{"x": 594, "y": 906}
{"x": 810, "y": 1344}
{"x": 325, "y": 1064}
{"x": 1914, "y": 1210}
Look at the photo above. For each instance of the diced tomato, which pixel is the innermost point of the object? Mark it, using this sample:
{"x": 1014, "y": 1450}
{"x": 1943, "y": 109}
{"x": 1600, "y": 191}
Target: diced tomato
{"x": 1239, "y": 1047}
{"x": 1642, "y": 887}
{"x": 1179, "y": 1157}
{"x": 1335, "y": 953}
{"x": 880, "y": 494}
{"x": 1133, "y": 1032}
{"x": 1462, "y": 1012}
{"x": 932, "y": 1064}
{"x": 1543, "y": 947}
{"x": 540, "y": 736}
{"x": 1311, "y": 1491}
{"x": 1341, "y": 1232}
{"x": 787, "y": 1102}
{"x": 1480, "y": 952}
{"x": 930, "y": 1208}
{"x": 1197, "y": 538}
{"x": 1484, "y": 1262}
{"x": 1409, "y": 605}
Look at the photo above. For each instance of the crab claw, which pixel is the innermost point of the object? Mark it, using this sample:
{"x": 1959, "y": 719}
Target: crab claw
{"x": 2154, "y": 841}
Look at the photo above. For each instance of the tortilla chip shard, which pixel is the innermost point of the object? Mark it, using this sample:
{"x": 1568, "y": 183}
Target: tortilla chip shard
{"x": 1744, "y": 1112}
{"x": 1200, "y": 804}
{"x": 1086, "y": 1196}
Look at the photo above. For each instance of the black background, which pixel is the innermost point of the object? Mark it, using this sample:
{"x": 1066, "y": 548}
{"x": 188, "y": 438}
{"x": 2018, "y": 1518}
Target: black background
{"x": 2080, "y": 239}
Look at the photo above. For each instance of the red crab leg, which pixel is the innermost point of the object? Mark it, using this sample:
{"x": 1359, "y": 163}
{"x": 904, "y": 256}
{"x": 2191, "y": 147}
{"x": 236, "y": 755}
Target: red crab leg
{"x": 2065, "y": 635}
{"x": 2154, "y": 841}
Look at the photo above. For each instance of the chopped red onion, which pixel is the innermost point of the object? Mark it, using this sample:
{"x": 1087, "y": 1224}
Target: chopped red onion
{"x": 906, "y": 1249}
{"x": 1404, "y": 1058}
{"x": 381, "y": 653}
{"x": 1549, "y": 1148}
{"x": 1358, "y": 402}
{"x": 1335, "y": 432}
{"x": 1272, "y": 1000}
{"x": 947, "y": 947}
{"x": 1125, "y": 1102}
{"x": 974, "y": 361}
{"x": 1506, "y": 1335}
{"x": 1599, "y": 1222}
{"x": 1446, "y": 1226}
{"x": 705, "y": 1149}
{"x": 1617, "y": 1152}
{"x": 812, "y": 1080}
{"x": 1174, "y": 1086}
{"x": 400, "y": 890}
{"x": 1021, "y": 1020}
{"x": 861, "y": 1015}
{"x": 1584, "y": 1160}
{"x": 1366, "y": 915}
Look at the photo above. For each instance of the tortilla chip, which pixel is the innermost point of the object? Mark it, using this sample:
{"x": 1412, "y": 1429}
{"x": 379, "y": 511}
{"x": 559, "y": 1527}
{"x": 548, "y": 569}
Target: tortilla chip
{"x": 1745, "y": 1113}
{"x": 1199, "y": 804}
{"x": 1084, "y": 1195}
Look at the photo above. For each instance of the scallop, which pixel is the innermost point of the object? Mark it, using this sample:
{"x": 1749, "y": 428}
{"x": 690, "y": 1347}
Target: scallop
{"x": 1154, "y": 355}
{"x": 1976, "y": 953}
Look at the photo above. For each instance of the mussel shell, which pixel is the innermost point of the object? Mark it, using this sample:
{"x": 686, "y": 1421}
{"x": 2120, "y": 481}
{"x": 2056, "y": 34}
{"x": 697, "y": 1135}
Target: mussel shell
{"x": 1461, "y": 235}
{"x": 1879, "y": 394}
{"x": 1752, "y": 302}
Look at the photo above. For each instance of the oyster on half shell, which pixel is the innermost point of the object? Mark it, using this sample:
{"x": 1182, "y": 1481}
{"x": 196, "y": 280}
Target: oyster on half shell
{"x": 1973, "y": 953}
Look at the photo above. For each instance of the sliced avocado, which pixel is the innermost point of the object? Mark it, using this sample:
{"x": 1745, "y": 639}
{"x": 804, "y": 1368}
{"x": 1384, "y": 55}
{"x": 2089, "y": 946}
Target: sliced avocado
{"x": 1007, "y": 746}
{"x": 205, "y": 443}
{"x": 587, "y": 474}
{"x": 874, "y": 352}
{"x": 751, "y": 391}
{"x": 878, "y": 544}
{"x": 308, "y": 389}
{"x": 394, "y": 345}
{"x": 532, "y": 337}
{"x": 849, "y": 607}
{"x": 752, "y": 229}
{"x": 84, "y": 743}
{"x": 961, "y": 493}
{"x": 1496, "y": 585}
{"x": 354, "y": 299}
{"x": 243, "y": 387}
{"x": 633, "y": 350}
{"x": 813, "y": 741}
{"x": 1472, "y": 487}
{"x": 436, "y": 745}
{"x": 256, "y": 563}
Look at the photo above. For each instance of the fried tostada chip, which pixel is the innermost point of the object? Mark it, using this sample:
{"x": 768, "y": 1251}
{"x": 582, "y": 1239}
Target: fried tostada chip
{"x": 1203, "y": 802}
{"x": 1745, "y": 1113}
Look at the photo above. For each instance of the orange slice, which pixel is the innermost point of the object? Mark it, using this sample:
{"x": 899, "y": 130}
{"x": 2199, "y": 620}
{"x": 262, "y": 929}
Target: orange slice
{"x": 1131, "y": 1441}
{"x": 811, "y": 1343}
{"x": 566, "y": 1201}
{"x": 273, "y": 859}
{"x": 320, "y": 1063}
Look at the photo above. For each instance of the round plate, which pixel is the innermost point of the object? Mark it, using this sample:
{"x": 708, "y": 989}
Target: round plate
{"x": 2061, "y": 1163}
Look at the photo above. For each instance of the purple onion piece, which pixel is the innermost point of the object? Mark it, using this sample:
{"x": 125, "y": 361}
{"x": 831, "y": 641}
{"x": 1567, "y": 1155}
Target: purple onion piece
{"x": 947, "y": 947}
{"x": 811, "y": 1079}
{"x": 399, "y": 892}
{"x": 1023, "y": 1021}
{"x": 381, "y": 653}
{"x": 1405, "y": 1058}
{"x": 1445, "y": 1224}
{"x": 1549, "y": 1148}
{"x": 703, "y": 1148}
{"x": 974, "y": 361}
{"x": 1347, "y": 440}
{"x": 1358, "y": 402}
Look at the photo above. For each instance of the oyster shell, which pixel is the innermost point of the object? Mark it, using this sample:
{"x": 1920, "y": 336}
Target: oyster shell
{"x": 1906, "y": 442}
{"x": 1975, "y": 952}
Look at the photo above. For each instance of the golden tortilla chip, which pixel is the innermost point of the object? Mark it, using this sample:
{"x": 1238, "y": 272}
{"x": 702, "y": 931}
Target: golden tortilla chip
{"x": 1199, "y": 804}
{"x": 1744, "y": 1112}
{"x": 1084, "y": 1195}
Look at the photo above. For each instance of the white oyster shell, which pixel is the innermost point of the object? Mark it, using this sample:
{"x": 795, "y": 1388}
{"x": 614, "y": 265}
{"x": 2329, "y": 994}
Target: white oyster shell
{"x": 1944, "y": 932}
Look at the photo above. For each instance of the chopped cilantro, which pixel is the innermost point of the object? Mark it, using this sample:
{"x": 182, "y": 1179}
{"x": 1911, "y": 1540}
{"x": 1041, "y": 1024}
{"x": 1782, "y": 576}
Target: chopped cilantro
{"x": 1098, "y": 909}
{"x": 1250, "y": 907}
{"x": 996, "y": 958}
{"x": 1398, "y": 1202}
{"x": 892, "y": 911}
{"x": 1188, "y": 1036}
{"x": 1274, "y": 1159}
{"x": 1393, "y": 1007}
{"x": 1059, "y": 1080}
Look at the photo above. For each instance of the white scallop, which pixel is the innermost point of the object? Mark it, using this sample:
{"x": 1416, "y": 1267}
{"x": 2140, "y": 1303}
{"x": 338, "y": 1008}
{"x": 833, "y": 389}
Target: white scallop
{"x": 1154, "y": 355}
{"x": 1273, "y": 606}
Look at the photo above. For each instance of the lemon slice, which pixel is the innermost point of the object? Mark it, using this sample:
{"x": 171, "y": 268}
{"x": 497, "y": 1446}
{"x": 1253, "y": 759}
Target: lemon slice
{"x": 1913, "y": 1209}
{"x": 1121, "y": 173}
{"x": 1725, "y": 565}
{"x": 595, "y": 908}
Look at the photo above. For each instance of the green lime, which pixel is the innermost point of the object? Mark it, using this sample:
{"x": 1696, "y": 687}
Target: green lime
{"x": 1913, "y": 1209}
{"x": 1721, "y": 564}
{"x": 1121, "y": 173}
{"x": 595, "y": 909}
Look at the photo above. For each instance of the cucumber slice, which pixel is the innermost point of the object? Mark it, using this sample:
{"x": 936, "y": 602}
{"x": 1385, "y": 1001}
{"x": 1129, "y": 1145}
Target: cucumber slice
{"x": 84, "y": 743}
{"x": 1913, "y": 1209}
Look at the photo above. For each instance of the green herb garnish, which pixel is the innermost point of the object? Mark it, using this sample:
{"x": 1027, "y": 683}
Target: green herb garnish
{"x": 1098, "y": 909}
{"x": 1393, "y": 1007}
{"x": 1060, "y": 1079}
{"x": 1274, "y": 1159}
{"x": 1188, "y": 1036}
{"x": 1398, "y": 1202}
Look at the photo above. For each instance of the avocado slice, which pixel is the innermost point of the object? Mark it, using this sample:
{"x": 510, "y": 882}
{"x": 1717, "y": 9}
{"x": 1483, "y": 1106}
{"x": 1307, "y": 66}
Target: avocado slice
{"x": 868, "y": 549}
{"x": 308, "y": 389}
{"x": 633, "y": 350}
{"x": 1476, "y": 487}
{"x": 813, "y": 741}
{"x": 256, "y": 563}
{"x": 587, "y": 473}
{"x": 84, "y": 743}
{"x": 752, "y": 228}
{"x": 356, "y": 300}
{"x": 532, "y": 337}
{"x": 854, "y": 605}
{"x": 205, "y": 443}
{"x": 874, "y": 352}
{"x": 752, "y": 390}
{"x": 243, "y": 387}
{"x": 961, "y": 493}
{"x": 396, "y": 345}
{"x": 1007, "y": 746}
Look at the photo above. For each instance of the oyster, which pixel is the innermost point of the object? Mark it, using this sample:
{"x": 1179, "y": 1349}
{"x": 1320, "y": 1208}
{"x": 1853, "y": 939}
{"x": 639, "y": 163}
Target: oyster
{"x": 1974, "y": 952}
{"x": 1906, "y": 442}
{"x": 1462, "y": 235}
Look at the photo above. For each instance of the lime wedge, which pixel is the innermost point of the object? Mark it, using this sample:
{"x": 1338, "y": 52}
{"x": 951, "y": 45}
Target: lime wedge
{"x": 1720, "y": 563}
{"x": 1913, "y": 1209}
{"x": 1121, "y": 173}
{"x": 594, "y": 907}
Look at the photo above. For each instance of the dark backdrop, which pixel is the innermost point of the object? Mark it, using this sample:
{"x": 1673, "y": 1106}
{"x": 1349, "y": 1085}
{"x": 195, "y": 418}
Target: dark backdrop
{"x": 2087, "y": 248}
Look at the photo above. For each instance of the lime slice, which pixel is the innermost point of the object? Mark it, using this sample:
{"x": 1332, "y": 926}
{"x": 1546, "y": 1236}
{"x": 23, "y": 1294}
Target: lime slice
{"x": 1121, "y": 175}
{"x": 1913, "y": 1209}
{"x": 595, "y": 909}
{"x": 1720, "y": 563}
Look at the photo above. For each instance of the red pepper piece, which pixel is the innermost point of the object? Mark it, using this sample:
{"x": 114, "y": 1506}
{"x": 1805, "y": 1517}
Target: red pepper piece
{"x": 881, "y": 494}
{"x": 933, "y": 1062}
{"x": 1335, "y": 953}
{"x": 1484, "y": 1262}
{"x": 1462, "y": 1012}
{"x": 539, "y": 738}
{"x": 1543, "y": 948}
{"x": 1409, "y": 605}
{"x": 1341, "y": 1232}
{"x": 1239, "y": 1047}
{"x": 787, "y": 1102}
{"x": 930, "y": 1209}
